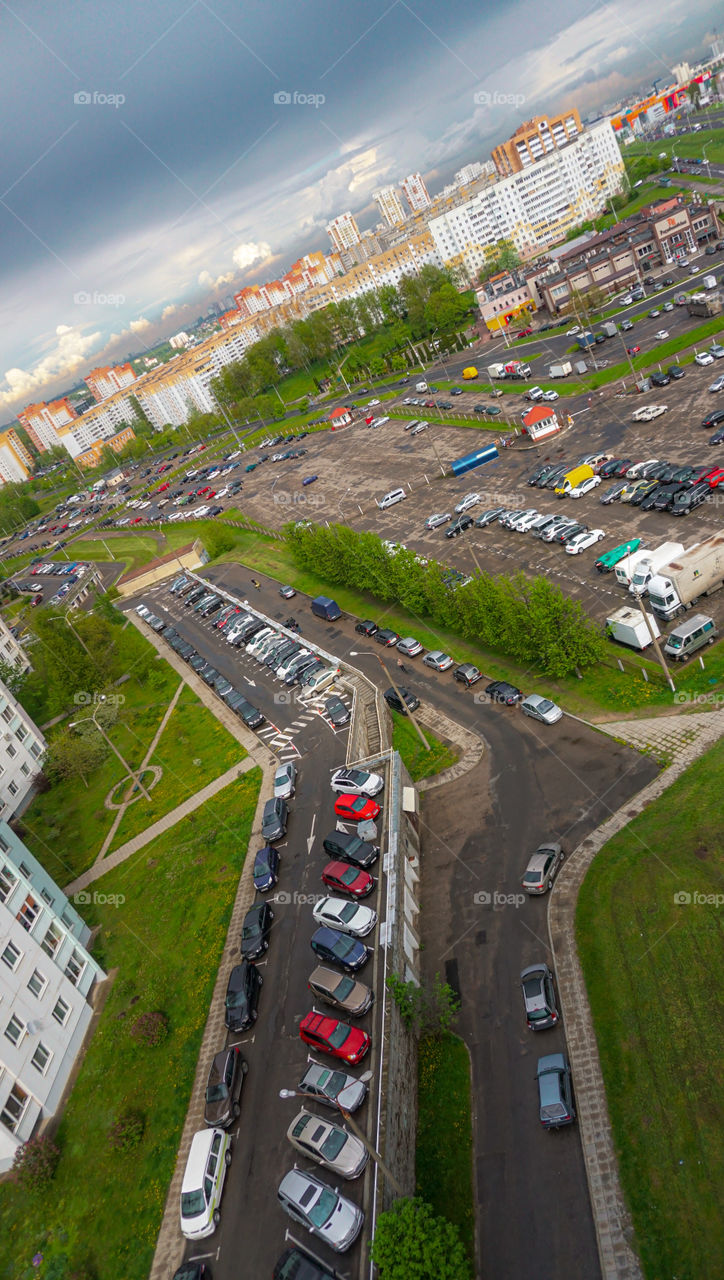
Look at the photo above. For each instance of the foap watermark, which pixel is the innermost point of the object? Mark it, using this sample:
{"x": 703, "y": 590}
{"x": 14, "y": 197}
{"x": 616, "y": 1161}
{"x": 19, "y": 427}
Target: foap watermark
{"x": 285, "y": 98}
{"x": 84, "y": 298}
{"x": 696, "y": 899}
{"x": 84, "y": 698}
{"x": 287, "y": 697}
{"x": 283, "y": 498}
{"x": 94, "y": 98}
{"x": 299, "y": 899}
{"x": 484, "y": 898}
{"x": 494, "y": 98}
{"x": 699, "y": 699}
{"x": 84, "y": 898}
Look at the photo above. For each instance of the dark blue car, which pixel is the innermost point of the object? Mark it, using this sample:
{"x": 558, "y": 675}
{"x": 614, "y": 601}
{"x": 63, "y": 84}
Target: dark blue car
{"x": 266, "y": 868}
{"x": 309, "y": 479}
{"x": 339, "y": 948}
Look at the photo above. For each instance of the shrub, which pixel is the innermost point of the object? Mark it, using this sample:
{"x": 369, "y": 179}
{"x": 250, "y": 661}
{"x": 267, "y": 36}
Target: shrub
{"x": 128, "y": 1130}
{"x": 150, "y": 1028}
{"x": 35, "y": 1163}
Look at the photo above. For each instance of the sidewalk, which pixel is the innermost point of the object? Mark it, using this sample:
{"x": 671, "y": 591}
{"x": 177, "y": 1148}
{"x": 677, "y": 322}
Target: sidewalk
{"x": 614, "y": 1229}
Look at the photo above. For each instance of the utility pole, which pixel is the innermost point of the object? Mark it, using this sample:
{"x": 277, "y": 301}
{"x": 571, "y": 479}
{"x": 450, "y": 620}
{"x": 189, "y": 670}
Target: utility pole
{"x": 654, "y": 641}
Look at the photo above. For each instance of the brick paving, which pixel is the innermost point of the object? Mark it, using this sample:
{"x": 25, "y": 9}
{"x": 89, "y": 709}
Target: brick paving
{"x": 681, "y": 739}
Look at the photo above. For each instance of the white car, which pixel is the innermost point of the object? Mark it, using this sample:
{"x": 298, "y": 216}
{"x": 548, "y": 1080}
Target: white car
{"x": 703, "y": 357}
{"x": 348, "y": 917}
{"x": 470, "y": 500}
{"x": 321, "y": 1209}
{"x": 550, "y": 396}
{"x": 571, "y": 333}
{"x": 718, "y": 384}
{"x": 716, "y": 351}
{"x": 662, "y": 335}
{"x": 235, "y": 454}
{"x": 634, "y": 472}
{"x": 534, "y": 393}
{"x": 668, "y": 306}
{"x": 356, "y": 782}
{"x": 523, "y": 523}
{"x": 693, "y": 271}
{"x": 585, "y": 487}
{"x": 194, "y": 513}
{"x": 583, "y": 541}
{"x": 372, "y": 403}
{"x": 221, "y": 493}
{"x": 440, "y": 517}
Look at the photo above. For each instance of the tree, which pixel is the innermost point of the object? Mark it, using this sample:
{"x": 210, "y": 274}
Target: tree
{"x": 74, "y": 755}
{"x": 412, "y": 1242}
{"x": 429, "y": 1009}
{"x": 502, "y": 256}
{"x": 217, "y": 540}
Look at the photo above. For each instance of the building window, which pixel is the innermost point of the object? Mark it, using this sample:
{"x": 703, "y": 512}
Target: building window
{"x": 61, "y": 1011}
{"x": 15, "y": 1030}
{"x": 8, "y": 714}
{"x": 12, "y": 751}
{"x": 25, "y": 768}
{"x": 41, "y": 1059}
{"x": 28, "y": 913}
{"x": 35, "y": 750}
{"x": 52, "y": 940}
{"x": 38, "y": 982}
{"x": 13, "y": 788}
{"x": 8, "y": 882}
{"x": 4, "y": 846}
{"x": 24, "y": 870}
{"x": 74, "y": 968}
{"x": 47, "y": 897}
{"x": 11, "y": 955}
{"x": 14, "y": 1109}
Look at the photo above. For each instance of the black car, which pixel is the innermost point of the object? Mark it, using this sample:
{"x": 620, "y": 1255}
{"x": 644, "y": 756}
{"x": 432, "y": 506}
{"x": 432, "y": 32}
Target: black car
{"x": 718, "y": 437}
{"x": 609, "y": 468}
{"x": 336, "y": 711}
{"x": 295, "y": 1264}
{"x": 488, "y": 517}
{"x": 366, "y": 628}
{"x": 223, "y": 1088}
{"x": 659, "y": 379}
{"x": 274, "y": 819}
{"x": 339, "y": 948}
{"x": 664, "y": 499}
{"x": 502, "y": 691}
{"x": 642, "y": 494}
{"x": 255, "y": 931}
{"x": 195, "y": 595}
{"x": 675, "y": 371}
{"x": 222, "y": 686}
{"x": 650, "y": 498}
{"x": 687, "y": 499}
{"x": 569, "y": 534}
{"x": 251, "y": 715}
{"x": 714, "y": 419}
{"x": 535, "y": 476}
{"x": 406, "y": 702}
{"x": 459, "y": 526}
{"x": 346, "y": 847}
{"x": 266, "y": 868}
{"x": 386, "y": 637}
{"x": 467, "y": 674}
{"x": 197, "y": 663}
{"x": 242, "y": 996}
{"x": 209, "y": 674}
{"x": 623, "y": 467}
{"x": 613, "y": 493}
{"x": 191, "y": 1271}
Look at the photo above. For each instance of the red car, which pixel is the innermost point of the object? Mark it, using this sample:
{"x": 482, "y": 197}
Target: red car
{"x": 345, "y": 878}
{"x": 633, "y": 351}
{"x": 210, "y": 493}
{"x": 524, "y": 333}
{"x": 204, "y": 490}
{"x": 334, "y": 1037}
{"x": 715, "y": 477}
{"x": 429, "y": 404}
{"x": 162, "y": 487}
{"x": 138, "y": 520}
{"x": 356, "y": 808}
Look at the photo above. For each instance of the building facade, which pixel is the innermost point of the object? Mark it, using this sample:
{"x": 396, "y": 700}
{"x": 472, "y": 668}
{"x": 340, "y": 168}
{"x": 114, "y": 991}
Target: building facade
{"x": 15, "y": 461}
{"x": 11, "y": 650}
{"x": 390, "y": 205}
{"x": 43, "y": 421}
{"x": 103, "y": 381}
{"x": 46, "y": 978}
{"x": 534, "y": 140}
{"x": 22, "y": 748}
{"x": 416, "y": 193}
{"x": 343, "y": 232}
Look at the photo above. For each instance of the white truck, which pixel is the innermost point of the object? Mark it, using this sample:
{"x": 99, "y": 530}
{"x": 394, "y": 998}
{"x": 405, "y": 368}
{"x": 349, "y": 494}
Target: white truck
{"x": 421, "y": 386}
{"x": 650, "y": 565}
{"x": 496, "y": 370}
{"x": 560, "y": 370}
{"x": 709, "y": 282}
{"x": 609, "y": 328}
{"x": 696, "y": 573}
{"x": 626, "y": 568}
{"x": 628, "y": 626}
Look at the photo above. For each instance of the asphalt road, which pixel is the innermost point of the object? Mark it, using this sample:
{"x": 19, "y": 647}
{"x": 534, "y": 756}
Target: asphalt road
{"x": 534, "y": 1218}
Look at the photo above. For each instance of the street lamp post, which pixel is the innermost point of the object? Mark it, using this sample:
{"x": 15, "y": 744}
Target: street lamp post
{"x": 293, "y": 1093}
{"x": 92, "y": 719}
{"x": 357, "y": 653}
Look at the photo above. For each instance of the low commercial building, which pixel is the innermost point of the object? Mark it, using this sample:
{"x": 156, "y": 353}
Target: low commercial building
{"x": 47, "y": 976}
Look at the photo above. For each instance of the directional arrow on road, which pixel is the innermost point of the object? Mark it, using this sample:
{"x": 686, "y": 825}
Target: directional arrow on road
{"x": 310, "y": 837}
{"x": 251, "y": 682}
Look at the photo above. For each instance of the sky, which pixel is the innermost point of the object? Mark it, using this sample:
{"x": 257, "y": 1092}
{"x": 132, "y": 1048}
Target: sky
{"x": 157, "y": 157}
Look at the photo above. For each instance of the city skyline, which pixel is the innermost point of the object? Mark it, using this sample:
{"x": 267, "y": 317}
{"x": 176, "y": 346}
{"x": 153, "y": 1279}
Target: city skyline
{"x": 123, "y": 221}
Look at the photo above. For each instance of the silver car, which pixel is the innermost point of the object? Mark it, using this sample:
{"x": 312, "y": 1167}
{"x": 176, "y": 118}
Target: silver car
{"x": 540, "y": 708}
{"x": 327, "y": 1144}
{"x": 438, "y": 660}
{"x": 409, "y": 646}
{"x": 285, "y": 780}
{"x": 440, "y": 517}
{"x": 321, "y": 1209}
{"x": 543, "y": 868}
{"x": 330, "y": 1087}
{"x": 356, "y": 782}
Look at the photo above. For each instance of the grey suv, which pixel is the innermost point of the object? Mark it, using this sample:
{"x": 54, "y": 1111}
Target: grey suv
{"x": 539, "y": 997}
{"x": 555, "y": 1091}
{"x": 274, "y": 819}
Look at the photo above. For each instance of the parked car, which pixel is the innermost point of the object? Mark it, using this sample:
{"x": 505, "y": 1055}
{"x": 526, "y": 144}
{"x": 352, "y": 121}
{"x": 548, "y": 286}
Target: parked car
{"x": 366, "y": 628}
{"x": 255, "y": 931}
{"x": 334, "y": 947}
{"x": 356, "y": 782}
{"x": 356, "y": 808}
{"x": 555, "y": 1091}
{"x": 338, "y": 1039}
{"x": 320, "y": 1209}
{"x": 223, "y": 1087}
{"x": 409, "y": 647}
{"x": 203, "y": 1182}
{"x": 345, "y": 916}
{"x": 438, "y": 660}
{"x": 502, "y": 691}
{"x": 440, "y": 518}
{"x": 351, "y": 848}
{"x": 266, "y": 868}
{"x": 274, "y": 819}
{"x": 332, "y": 1087}
{"x": 386, "y": 637}
{"x": 539, "y": 997}
{"x": 540, "y": 708}
{"x": 242, "y": 996}
{"x": 285, "y": 780}
{"x": 328, "y": 1144}
{"x": 341, "y": 991}
{"x": 459, "y": 526}
{"x": 402, "y": 702}
{"x": 467, "y": 674}
{"x": 543, "y": 867}
{"x": 342, "y": 877}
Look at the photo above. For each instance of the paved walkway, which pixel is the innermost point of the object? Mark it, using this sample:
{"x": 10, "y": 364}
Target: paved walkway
{"x": 614, "y": 1228}
{"x": 146, "y": 760}
{"x": 471, "y": 746}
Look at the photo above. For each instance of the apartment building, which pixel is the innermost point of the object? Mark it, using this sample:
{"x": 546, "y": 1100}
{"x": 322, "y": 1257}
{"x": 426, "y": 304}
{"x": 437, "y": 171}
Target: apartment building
{"x": 43, "y": 421}
{"x": 100, "y": 425}
{"x": 343, "y": 232}
{"x": 47, "y": 977}
{"x": 91, "y": 456}
{"x": 103, "y": 381}
{"x": 534, "y": 140}
{"x": 415, "y": 192}
{"x": 384, "y": 268}
{"x": 12, "y": 652}
{"x": 535, "y": 207}
{"x": 15, "y": 461}
{"x": 22, "y": 747}
{"x": 390, "y": 205}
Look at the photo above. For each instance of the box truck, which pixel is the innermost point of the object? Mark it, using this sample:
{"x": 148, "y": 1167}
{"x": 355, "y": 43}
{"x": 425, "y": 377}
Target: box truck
{"x": 515, "y": 369}
{"x": 626, "y": 568}
{"x": 586, "y": 340}
{"x": 628, "y": 626}
{"x": 609, "y": 328}
{"x": 573, "y": 478}
{"x": 696, "y": 573}
{"x": 496, "y": 370}
{"x": 651, "y": 563}
{"x": 709, "y": 282}
{"x": 560, "y": 370}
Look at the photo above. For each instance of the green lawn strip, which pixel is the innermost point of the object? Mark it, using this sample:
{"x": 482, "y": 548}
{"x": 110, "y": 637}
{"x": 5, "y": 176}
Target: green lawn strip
{"x": 133, "y": 549}
{"x": 685, "y": 145}
{"x": 419, "y": 762}
{"x": 194, "y": 749}
{"x": 479, "y": 420}
{"x": 444, "y": 1151}
{"x": 165, "y": 943}
{"x": 650, "y": 966}
{"x": 603, "y": 690}
{"x": 65, "y": 827}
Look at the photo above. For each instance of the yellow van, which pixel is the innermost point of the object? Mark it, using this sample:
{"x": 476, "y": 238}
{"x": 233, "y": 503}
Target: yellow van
{"x": 471, "y": 372}
{"x": 573, "y": 478}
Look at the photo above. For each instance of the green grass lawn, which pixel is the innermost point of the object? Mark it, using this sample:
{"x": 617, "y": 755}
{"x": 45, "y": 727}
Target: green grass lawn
{"x": 66, "y": 826}
{"x": 164, "y": 944}
{"x": 419, "y": 762}
{"x": 479, "y": 420}
{"x": 652, "y": 969}
{"x": 686, "y": 145}
{"x": 444, "y": 1151}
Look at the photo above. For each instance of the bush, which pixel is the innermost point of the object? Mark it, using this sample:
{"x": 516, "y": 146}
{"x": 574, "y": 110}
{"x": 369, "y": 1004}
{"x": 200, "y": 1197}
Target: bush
{"x": 128, "y": 1130}
{"x": 151, "y": 1028}
{"x": 412, "y": 1243}
{"x": 35, "y": 1163}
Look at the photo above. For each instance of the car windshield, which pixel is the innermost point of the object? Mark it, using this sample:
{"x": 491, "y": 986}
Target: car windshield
{"x": 217, "y": 1092}
{"x": 344, "y": 988}
{"x": 192, "y": 1204}
{"x": 322, "y": 1209}
{"x": 348, "y": 912}
{"x": 545, "y": 705}
{"x": 251, "y": 928}
{"x": 332, "y": 1145}
{"x": 262, "y": 862}
{"x": 337, "y": 1037}
{"x": 344, "y": 945}
{"x": 234, "y": 999}
{"x": 358, "y": 804}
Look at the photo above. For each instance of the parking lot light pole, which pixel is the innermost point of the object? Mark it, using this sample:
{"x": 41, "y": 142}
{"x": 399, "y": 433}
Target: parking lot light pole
{"x": 293, "y": 1093}
{"x": 357, "y": 653}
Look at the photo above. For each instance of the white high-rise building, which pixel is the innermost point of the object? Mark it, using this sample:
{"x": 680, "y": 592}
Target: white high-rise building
{"x": 46, "y": 978}
{"x": 22, "y": 747}
{"x": 537, "y": 206}
{"x": 390, "y": 205}
{"x": 416, "y": 192}
{"x": 343, "y": 232}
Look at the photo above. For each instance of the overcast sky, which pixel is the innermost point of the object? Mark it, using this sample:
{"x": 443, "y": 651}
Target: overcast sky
{"x": 121, "y": 219}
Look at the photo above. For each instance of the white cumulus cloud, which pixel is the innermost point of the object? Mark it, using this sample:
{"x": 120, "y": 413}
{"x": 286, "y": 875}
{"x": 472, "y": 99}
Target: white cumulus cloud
{"x": 246, "y": 254}
{"x": 67, "y": 354}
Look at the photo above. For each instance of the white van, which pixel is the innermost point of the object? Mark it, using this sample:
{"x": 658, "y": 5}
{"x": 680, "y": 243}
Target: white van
{"x": 257, "y": 641}
{"x": 389, "y": 500}
{"x": 203, "y": 1183}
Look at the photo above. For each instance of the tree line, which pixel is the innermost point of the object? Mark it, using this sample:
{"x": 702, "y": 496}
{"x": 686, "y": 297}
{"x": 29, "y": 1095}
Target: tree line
{"x": 529, "y": 620}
